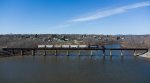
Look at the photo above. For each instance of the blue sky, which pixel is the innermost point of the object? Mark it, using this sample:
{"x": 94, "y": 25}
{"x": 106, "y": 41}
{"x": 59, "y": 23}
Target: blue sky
{"x": 75, "y": 16}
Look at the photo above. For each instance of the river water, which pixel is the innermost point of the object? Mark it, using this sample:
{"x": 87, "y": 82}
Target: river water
{"x": 76, "y": 69}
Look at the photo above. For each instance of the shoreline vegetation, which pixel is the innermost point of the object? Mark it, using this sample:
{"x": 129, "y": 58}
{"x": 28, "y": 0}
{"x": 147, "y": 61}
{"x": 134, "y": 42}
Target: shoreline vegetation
{"x": 136, "y": 41}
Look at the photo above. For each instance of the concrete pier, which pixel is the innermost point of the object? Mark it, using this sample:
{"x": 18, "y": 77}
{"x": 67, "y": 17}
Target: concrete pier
{"x": 79, "y": 53}
{"x": 121, "y": 53}
{"x": 91, "y": 53}
{"x": 44, "y": 52}
{"x": 110, "y": 52}
{"x": 103, "y": 52}
{"x": 55, "y": 52}
{"x": 12, "y": 52}
{"x": 134, "y": 52}
{"x": 33, "y": 52}
{"x": 21, "y": 52}
{"x": 67, "y": 52}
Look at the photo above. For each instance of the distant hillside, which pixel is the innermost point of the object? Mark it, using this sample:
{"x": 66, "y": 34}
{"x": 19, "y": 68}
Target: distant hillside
{"x": 136, "y": 41}
{"x": 32, "y": 40}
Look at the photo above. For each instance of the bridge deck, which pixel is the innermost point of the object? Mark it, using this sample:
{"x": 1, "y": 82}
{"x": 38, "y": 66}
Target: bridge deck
{"x": 75, "y": 48}
{"x": 11, "y": 50}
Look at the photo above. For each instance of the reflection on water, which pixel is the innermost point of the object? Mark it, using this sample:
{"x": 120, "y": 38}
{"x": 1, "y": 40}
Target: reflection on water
{"x": 74, "y": 69}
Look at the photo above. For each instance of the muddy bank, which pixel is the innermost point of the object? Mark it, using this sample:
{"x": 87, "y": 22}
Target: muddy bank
{"x": 146, "y": 55}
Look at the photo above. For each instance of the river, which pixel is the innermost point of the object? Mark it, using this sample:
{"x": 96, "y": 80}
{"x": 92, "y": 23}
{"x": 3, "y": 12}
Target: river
{"x": 76, "y": 69}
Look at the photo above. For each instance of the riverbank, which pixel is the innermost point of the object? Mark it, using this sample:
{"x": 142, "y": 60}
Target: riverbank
{"x": 146, "y": 55}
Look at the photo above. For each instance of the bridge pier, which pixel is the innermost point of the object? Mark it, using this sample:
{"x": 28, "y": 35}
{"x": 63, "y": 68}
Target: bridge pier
{"x": 67, "y": 52}
{"x": 79, "y": 53}
{"x": 134, "y": 53}
{"x": 110, "y": 52}
{"x": 12, "y": 52}
{"x": 91, "y": 53}
{"x": 21, "y": 52}
{"x": 33, "y": 52}
{"x": 121, "y": 53}
{"x": 55, "y": 52}
{"x": 44, "y": 52}
{"x": 103, "y": 52}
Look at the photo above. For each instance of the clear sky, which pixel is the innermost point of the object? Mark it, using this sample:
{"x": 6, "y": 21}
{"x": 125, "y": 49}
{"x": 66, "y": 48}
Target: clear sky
{"x": 75, "y": 16}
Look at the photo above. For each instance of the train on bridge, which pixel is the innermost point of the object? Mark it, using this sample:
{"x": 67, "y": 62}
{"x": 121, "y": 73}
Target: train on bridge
{"x": 56, "y": 48}
{"x": 70, "y": 46}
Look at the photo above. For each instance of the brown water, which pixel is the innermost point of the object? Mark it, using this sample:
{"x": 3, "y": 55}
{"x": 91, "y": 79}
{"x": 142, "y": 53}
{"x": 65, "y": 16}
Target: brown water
{"x": 74, "y": 69}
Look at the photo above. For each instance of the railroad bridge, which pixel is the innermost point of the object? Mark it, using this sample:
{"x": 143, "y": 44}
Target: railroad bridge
{"x": 20, "y": 51}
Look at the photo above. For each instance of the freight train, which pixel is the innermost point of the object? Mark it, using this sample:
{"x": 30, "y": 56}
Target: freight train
{"x": 69, "y": 46}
